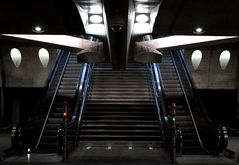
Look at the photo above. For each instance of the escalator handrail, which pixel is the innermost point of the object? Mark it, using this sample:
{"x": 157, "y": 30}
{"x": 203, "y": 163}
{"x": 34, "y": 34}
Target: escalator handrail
{"x": 188, "y": 105}
{"x": 83, "y": 96}
{"x": 48, "y": 83}
{"x": 51, "y": 104}
{"x": 80, "y": 86}
{"x": 162, "y": 94}
{"x": 149, "y": 66}
{"x": 193, "y": 87}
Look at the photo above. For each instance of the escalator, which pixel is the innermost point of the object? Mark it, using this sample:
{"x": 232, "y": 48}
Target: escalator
{"x": 174, "y": 94}
{"x": 200, "y": 135}
{"x": 40, "y": 132}
{"x": 120, "y": 108}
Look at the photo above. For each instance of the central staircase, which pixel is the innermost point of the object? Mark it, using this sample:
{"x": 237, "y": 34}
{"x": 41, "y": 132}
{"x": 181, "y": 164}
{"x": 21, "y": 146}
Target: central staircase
{"x": 120, "y": 109}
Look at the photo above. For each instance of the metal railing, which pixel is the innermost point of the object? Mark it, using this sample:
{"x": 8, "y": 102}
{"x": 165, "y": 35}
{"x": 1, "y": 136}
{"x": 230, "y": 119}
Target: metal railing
{"x": 82, "y": 98}
{"x": 154, "y": 81}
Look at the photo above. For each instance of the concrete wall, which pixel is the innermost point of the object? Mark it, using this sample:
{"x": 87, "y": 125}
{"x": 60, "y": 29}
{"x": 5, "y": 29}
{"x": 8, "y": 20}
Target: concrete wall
{"x": 31, "y": 73}
{"x": 209, "y": 74}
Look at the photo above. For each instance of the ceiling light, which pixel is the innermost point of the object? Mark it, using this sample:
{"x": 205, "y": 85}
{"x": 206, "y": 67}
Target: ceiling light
{"x": 198, "y": 30}
{"x": 88, "y": 147}
{"x": 38, "y": 29}
{"x": 96, "y": 19}
{"x": 142, "y": 18}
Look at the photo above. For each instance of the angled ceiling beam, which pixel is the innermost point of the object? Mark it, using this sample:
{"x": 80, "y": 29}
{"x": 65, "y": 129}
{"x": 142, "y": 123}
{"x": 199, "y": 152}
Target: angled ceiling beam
{"x": 88, "y": 51}
{"x": 60, "y": 41}
{"x": 184, "y": 41}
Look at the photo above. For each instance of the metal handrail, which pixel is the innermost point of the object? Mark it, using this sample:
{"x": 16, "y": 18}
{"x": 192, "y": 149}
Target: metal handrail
{"x": 80, "y": 87}
{"x": 161, "y": 92}
{"x": 50, "y": 107}
{"x": 188, "y": 105}
{"x": 83, "y": 96}
{"x": 156, "y": 97}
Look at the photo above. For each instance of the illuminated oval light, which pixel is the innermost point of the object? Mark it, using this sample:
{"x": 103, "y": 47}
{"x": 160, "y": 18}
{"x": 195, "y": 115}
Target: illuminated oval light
{"x": 96, "y": 19}
{"x": 16, "y": 57}
{"x": 38, "y": 29}
{"x": 224, "y": 59}
{"x": 142, "y": 18}
{"x": 43, "y": 55}
{"x": 198, "y": 30}
{"x": 196, "y": 59}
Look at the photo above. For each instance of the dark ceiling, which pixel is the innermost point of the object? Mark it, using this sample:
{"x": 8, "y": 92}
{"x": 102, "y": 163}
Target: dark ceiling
{"x": 57, "y": 16}
{"x": 218, "y": 17}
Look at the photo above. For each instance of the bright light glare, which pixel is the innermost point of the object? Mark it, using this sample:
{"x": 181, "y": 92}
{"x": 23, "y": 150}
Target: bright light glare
{"x": 95, "y": 9}
{"x": 38, "y": 29}
{"x": 224, "y": 59}
{"x": 97, "y": 29}
{"x": 141, "y": 28}
{"x": 142, "y": 8}
{"x": 198, "y": 30}
{"x": 96, "y": 19}
{"x": 142, "y": 18}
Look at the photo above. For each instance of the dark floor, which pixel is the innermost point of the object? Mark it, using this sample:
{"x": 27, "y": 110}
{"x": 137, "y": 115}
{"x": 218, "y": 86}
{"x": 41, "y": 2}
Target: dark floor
{"x": 123, "y": 155}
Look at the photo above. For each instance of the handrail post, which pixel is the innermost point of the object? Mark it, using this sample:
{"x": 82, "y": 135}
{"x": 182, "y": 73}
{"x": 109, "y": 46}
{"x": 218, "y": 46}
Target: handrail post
{"x": 179, "y": 141}
{"x": 173, "y": 125}
{"x": 65, "y": 146}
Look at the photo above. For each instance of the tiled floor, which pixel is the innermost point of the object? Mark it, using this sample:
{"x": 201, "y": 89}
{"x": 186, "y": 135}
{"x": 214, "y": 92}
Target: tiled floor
{"x": 120, "y": 156}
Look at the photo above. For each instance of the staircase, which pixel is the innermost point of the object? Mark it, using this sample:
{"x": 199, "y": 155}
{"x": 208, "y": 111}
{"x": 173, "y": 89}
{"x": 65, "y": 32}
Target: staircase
{"x": 174, "y": 94}
{"x": 120, "y": 108}
{"x": 66, "y": 92}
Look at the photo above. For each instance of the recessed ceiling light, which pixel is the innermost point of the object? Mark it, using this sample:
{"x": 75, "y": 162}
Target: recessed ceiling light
{"x": 96, "y": 19}
{"x": 142, "y": 18}
{"x": 198, "y": 30}
{"x": 38, "y": 29}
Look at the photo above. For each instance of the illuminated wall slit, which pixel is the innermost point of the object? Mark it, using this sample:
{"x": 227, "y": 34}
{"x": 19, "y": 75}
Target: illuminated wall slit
{"x": 196, "y": 59}
{"x": 43, "y": 55}
{"x": 224, "y": 59}
{"x": 16, "y": 57}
